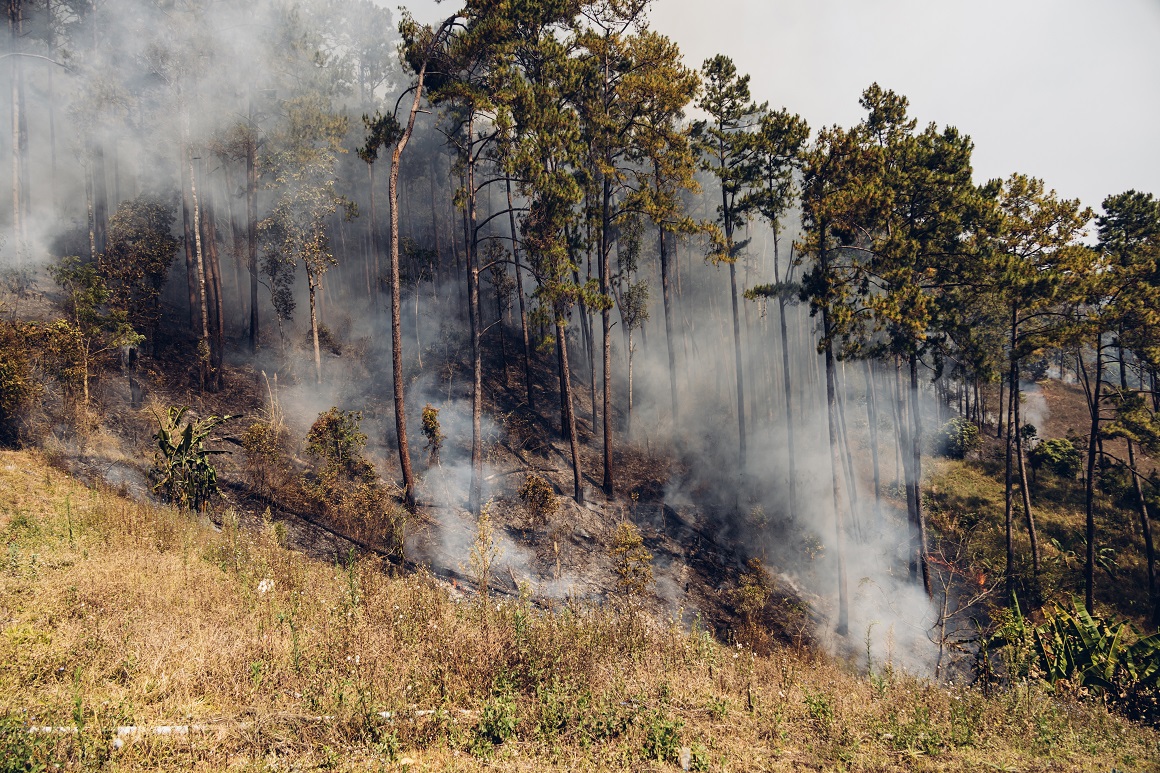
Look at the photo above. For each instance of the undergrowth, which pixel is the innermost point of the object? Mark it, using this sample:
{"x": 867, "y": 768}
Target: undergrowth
{"x": 117, "y": 613}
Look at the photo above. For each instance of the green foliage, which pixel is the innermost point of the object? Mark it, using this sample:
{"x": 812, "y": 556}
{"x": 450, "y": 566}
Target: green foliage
{"x": 662, "y": 740}
{"x": 136, "y": 262}
{"x": 336, "y": 440}
{"x": 182, "y": 474}
{"x": 1059, "y": 455}
{"x": 1086, "y": 653}
{"x": 20, "y": 750}
{"x": 958, "y": 437}
{"x": 632, "y": 562}
{"x": 94, "y": 328}
{"x": 498, "y": 720}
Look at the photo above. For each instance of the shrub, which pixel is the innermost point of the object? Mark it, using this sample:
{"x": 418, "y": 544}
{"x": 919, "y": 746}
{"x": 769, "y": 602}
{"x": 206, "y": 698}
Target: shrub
{"x": 18, "y": 387}
{"x": 1076, "y": 650}
{"x": 957, "y": 438}
{"x": 632, "y": 563}
{"x": 752, "y": 592}
{"x": 1059, "y": 455}
{"x": 335, "y": 439}
{"x": 540, "y": 500}
{"x": 264, "y": 445}
{"x": 433, "y": 433}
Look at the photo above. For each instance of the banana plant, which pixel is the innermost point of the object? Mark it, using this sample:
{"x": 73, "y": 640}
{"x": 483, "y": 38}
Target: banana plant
{"x": 182, "y": 473}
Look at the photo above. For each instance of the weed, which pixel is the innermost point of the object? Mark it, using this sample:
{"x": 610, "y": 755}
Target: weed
{"x": 662, "y": 740}
{"x": 20, "y": 750}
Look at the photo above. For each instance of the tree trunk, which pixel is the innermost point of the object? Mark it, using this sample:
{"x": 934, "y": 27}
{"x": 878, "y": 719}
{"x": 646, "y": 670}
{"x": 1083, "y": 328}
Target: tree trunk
{"x": 18, "y": 137}
{"x": 606, "y": 329}
{"x": 312, "y": 282}
{"x": 396, "y": 326}
{"x": 569, "y": 415}
{"x": 1142, "y": 506}
{"x": 666, "y": 294}
{"x": 916, "y": 470}
{"x": 1023, "y": 483}
{"x": 740, "y": 369}
{"x": 843, "y": 626}
{"x": 872, "y": 419}
{"x": 787, "y": 380}
{"x": 1008, "y": 488}
{"x": 252, "y": 237}
{"x": 1089, "y": 572}
{"x": 203, "y": 342}
{"x": 520, "y": 294}
{"x": 214, "y": 300}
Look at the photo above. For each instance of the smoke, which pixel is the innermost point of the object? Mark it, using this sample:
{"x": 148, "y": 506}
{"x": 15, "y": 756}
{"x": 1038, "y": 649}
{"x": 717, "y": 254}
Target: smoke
{"x": 159, "y": 86}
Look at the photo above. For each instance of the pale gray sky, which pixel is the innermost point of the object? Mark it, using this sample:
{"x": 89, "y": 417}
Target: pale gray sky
{"x": 1066, "y": 90}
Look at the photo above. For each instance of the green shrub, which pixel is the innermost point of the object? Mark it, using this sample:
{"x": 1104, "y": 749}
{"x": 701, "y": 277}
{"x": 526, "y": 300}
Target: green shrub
{"x": 1058, "y": 455}
{"x": 957, "y": 438}
{"x": 20, "y": 750}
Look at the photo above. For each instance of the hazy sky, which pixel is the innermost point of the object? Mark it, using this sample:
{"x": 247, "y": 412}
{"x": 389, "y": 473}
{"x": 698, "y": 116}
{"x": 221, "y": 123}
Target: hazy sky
{"x": 1061, "y": 89}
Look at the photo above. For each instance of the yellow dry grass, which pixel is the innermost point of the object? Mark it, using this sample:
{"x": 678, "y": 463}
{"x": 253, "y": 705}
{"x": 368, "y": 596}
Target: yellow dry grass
{"x": 115, "y": 613}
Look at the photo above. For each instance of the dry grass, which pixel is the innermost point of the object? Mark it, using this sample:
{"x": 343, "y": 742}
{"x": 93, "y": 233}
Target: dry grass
{"x": 116, "y": 613}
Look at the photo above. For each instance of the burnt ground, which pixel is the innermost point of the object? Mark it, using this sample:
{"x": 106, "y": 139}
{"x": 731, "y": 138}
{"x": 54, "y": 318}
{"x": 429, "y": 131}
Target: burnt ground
{"x": 696, "y": 558}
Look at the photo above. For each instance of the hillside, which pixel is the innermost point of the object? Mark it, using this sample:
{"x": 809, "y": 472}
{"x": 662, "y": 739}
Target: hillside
{"x": 122, "y": 619}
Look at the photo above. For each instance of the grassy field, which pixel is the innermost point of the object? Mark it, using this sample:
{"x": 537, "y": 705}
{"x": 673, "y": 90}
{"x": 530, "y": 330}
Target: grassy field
{"x": 146, "y": 639}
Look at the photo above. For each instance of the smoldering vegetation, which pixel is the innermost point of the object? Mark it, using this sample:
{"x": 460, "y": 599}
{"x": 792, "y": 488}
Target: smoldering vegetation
{"x": 225, "y": 168}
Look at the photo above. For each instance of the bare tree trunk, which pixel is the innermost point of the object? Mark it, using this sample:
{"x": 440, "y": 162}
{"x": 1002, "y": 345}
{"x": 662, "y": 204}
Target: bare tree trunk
{"x": 203, "y": 342}
{"x": 396, "y": 325}
{"x": 252, "y": 237}
{"x": 786, "y": 377}
{"x": 1142, "y": 505}
{"x": 312, "y": 283}
{"x": 214, "y": 300}
{"x": 916, "y": 468}
{"x": 569, "y": 415}
{"x": 19, "y": 137}
{"x": 520, "y": 295}
{"x": 606, "y": 329}
{"x": 740, "y": 369}
{"x": 668, "y": 303}
{"x": 872, "y": 419}
{"x": 1023, "y": 483}
{"x": 1094, "y": 396}
{"x": 1008, "y": 488}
